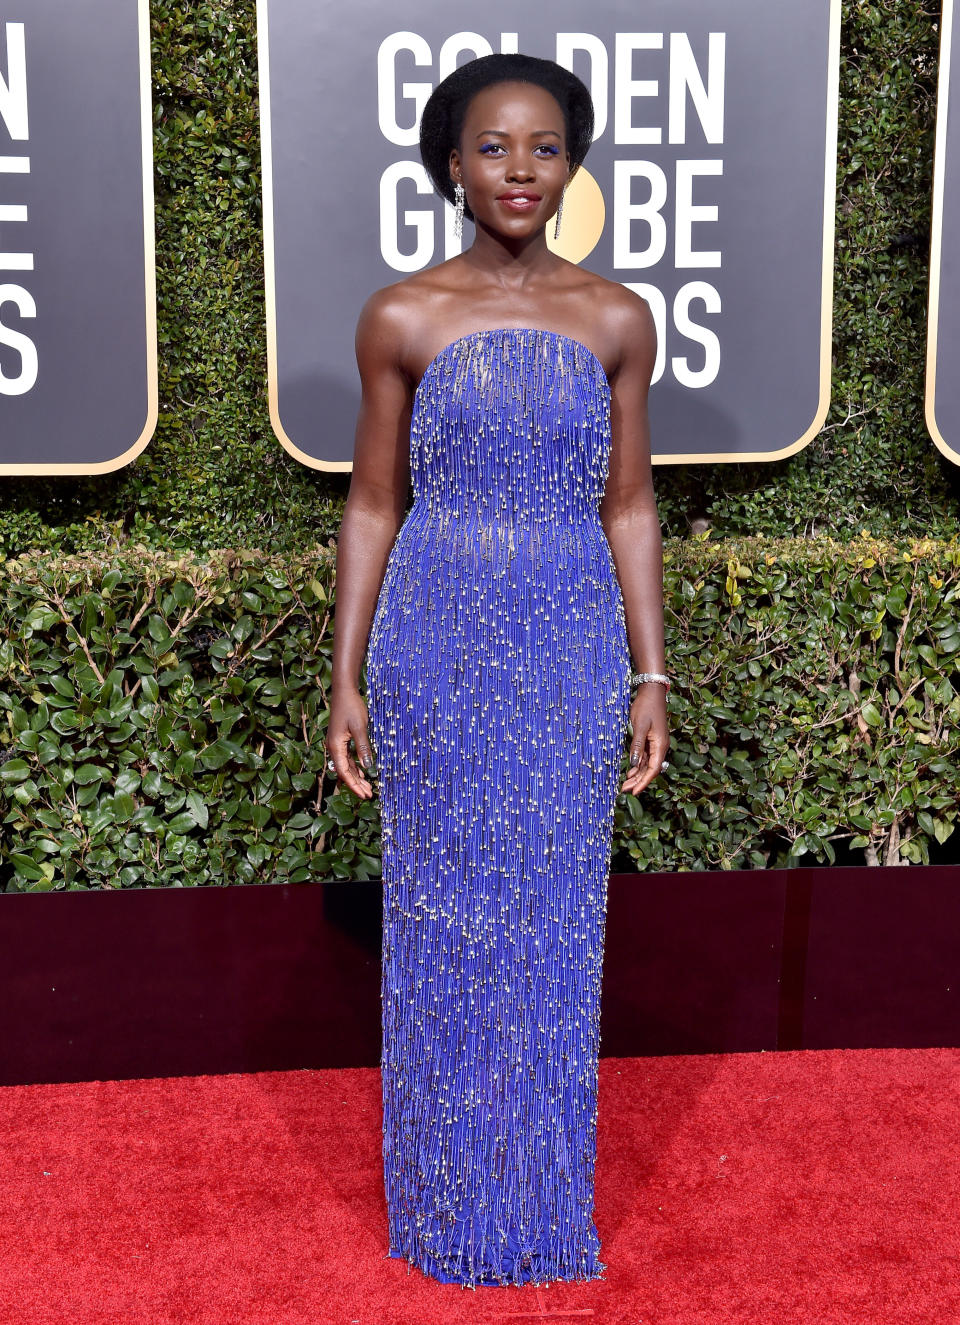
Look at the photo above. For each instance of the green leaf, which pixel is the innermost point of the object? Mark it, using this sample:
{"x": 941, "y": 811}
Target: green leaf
{"x": 65, "y": 721}
{"x": 26, "y": 866}
{"x": 871, "y": 714}
{"x": 942, "y": 829}
{"x": 197, "y": 809}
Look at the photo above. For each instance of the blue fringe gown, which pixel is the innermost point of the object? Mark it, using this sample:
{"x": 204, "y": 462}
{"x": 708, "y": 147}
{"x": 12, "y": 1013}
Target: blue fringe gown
{"x": 498, "y": 695}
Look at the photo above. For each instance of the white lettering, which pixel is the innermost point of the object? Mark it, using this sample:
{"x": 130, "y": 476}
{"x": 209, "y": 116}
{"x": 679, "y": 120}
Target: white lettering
{"x": 421, "y": 221}
{"x": 13, "y": 91}
{"x": 598, "y": 77}
{"x": 16, "y": 340}
{"x": 687, "y": 214}
{"x": 626, "y": 212}
{"x": 686, "y": 77}
{"x": 699, "y": 335}
{"x": 458, "y": 44}
{"x": 688, "y": 100}
{"x": 627, "y": 87}
{"x": 387, "y": 99}
{"x": 14, "y": 261}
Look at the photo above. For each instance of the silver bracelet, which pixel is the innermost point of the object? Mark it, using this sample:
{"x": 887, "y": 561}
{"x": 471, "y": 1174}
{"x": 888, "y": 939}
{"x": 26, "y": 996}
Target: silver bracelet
{"x": 638, "y": 678}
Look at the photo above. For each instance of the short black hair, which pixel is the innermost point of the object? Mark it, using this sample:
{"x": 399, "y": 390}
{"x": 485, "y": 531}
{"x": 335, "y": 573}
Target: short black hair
{"x": 442, "y": 120}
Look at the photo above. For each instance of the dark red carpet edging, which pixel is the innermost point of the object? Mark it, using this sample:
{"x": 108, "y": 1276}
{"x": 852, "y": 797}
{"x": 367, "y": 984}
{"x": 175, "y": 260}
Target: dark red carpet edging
{"x": 805, "y": 1186}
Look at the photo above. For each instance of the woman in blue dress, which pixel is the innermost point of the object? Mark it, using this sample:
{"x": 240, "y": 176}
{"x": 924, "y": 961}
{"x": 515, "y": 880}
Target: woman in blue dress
{"x": 497, "y": 621}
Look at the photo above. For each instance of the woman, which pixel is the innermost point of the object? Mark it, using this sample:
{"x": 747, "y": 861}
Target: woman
{"x": 498, "y": 621}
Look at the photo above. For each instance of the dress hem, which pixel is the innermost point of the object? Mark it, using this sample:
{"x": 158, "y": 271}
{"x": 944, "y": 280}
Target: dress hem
{"x": 429, "y": 1266}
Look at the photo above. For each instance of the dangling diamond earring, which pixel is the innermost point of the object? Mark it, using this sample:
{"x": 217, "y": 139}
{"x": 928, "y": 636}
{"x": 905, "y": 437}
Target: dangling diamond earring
{"x": 556, "y": 228}
{"x": 459, "y": 195}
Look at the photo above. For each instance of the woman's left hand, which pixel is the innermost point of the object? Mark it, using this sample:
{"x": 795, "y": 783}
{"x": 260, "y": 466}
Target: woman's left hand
{"x": 648, "y": 748}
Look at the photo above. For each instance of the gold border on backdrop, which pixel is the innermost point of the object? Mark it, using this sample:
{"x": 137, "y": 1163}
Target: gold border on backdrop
{"x": 269, "y": 273}
{"x": 936, "y": 233}
{"x": 150, "y": 278}
{"x": 826, "y": 284}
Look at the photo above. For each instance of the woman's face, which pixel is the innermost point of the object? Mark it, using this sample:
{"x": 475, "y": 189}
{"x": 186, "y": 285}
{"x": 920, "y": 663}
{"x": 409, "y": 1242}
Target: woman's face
{"x": 513, "y": 160}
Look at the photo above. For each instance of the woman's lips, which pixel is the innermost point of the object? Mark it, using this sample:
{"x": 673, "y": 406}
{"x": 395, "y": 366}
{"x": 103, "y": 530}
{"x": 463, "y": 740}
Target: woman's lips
{"x": 519, "y": 204}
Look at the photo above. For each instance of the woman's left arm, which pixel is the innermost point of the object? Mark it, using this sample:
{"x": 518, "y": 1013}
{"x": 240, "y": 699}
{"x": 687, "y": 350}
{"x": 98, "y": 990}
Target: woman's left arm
{"x": 630, "y": 520}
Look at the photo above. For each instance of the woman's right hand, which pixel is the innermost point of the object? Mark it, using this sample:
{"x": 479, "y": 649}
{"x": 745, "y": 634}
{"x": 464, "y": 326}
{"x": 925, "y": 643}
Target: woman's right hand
{"x": 348, "y": 722}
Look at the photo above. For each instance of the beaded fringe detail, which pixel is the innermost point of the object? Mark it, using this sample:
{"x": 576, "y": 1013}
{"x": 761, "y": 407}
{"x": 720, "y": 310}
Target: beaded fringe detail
{"x": 498, "y": 694}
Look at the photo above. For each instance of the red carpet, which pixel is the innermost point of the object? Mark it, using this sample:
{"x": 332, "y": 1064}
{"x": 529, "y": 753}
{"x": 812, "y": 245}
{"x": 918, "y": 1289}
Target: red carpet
{"x": 784, "y": 1187}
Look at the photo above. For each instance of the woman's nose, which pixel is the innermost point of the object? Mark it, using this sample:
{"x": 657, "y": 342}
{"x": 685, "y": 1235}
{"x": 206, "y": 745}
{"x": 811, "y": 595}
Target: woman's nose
{"x": 521, "y": 168}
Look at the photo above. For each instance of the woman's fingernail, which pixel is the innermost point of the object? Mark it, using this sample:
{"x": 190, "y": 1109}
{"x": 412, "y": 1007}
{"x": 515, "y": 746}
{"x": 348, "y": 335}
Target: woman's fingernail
{"x": 634, "y": 757}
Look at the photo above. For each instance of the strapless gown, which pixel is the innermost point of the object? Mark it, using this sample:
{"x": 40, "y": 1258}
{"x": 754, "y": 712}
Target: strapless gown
{"x": 497, "y": 675}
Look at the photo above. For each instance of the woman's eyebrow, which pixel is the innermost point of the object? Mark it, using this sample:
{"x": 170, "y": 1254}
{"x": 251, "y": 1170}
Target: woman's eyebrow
{"x": 499, "y": 133}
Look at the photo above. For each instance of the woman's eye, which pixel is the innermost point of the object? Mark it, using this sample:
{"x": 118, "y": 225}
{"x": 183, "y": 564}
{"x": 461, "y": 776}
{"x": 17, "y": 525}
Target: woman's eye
{"x": 488, "y": 149}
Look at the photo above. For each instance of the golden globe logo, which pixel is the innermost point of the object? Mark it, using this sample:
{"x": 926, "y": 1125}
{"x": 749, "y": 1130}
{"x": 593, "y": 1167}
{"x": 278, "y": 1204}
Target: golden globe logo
{"x": 415, "y": 234}
{"x": 583, "y": 217}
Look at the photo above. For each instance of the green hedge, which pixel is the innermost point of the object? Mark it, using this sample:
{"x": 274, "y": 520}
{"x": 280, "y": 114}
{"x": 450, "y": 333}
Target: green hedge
{"x": 215, "y": 474}
{"x": 163, "y": 717}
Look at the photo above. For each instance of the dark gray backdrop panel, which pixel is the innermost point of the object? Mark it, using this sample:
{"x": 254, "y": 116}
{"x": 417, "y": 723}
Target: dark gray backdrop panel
{"x": 943, "y": 349}
{"x": 94, "y": 401}
{"x": 325, "y": 154}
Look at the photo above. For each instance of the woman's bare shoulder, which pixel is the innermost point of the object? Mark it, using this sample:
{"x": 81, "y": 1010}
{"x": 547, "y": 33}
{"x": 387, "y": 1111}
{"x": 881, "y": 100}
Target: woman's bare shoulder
{"x": 623, "y": 319}
{"x": 614, "y": 300}
{"x": 396, "y": 308}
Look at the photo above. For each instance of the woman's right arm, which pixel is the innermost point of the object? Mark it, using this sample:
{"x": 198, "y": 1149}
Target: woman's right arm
{"x": 372, "y": 517}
